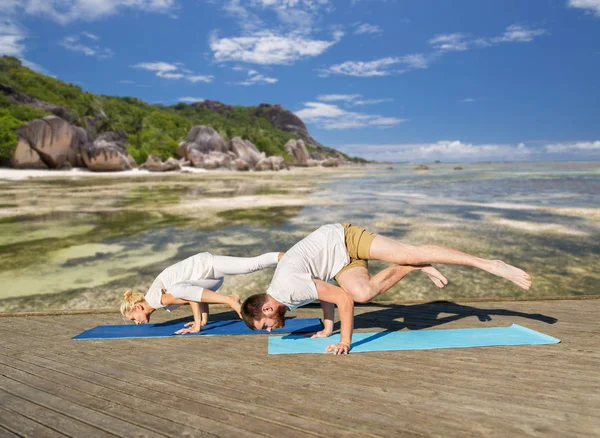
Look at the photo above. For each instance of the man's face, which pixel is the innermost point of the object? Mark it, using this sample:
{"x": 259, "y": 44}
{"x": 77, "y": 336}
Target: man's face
{"x": 270, "y": 322}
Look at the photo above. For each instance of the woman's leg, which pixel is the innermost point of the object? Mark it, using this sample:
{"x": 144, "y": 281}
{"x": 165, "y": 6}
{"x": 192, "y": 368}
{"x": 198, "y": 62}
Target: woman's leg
{"x": 223, "y": 265}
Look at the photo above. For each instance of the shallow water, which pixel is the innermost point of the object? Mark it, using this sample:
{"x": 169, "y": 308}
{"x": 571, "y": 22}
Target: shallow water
{"x": 78, "y": 242}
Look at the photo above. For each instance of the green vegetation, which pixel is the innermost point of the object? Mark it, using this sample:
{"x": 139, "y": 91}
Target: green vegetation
{"x": 151, "y": 129}
{"x": 12, "y": 116}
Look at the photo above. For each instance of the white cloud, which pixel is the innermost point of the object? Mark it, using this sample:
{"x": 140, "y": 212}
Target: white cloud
{"x": 449, "y": 42}
{"x": 66, "y": 11}
{"x": 174, "y": 71}
{"x": 91, "y": 36}
{"x": 518, "y": 33}
{"x": 366, "y": 28}
{"x": 458, "y": 151}
{"x": 159, "y": 67}
{"x": 292, "y": 15}
{"x": 452, "y": 151}
{"x": 360, "y": 102}
{"x": 515, "y": 33}
{"x": 126, "y": 81}
{"x": 379, "y": 67}
{"x": 338, "y": 97}
{"x": 200, "y": 78}
{"x": 255, "y": 78}
{"x": 350, "y": 99}
{"x": 190, "y": 99}
{"x": 590, "y": 146}
{"x": 468, "y": 100}
{"x": 268, "y": 48}
{"x": 169, "y": 75}
{"x": 441, "y": 44}
{"x": 590, "y": 6}
{"x": 74, "y": 44}
{"x": 327, "y": 116}
{"x": 12, "y": 36}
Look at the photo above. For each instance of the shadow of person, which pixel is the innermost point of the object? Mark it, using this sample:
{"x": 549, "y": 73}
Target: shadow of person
{"x": 432, "y": 314}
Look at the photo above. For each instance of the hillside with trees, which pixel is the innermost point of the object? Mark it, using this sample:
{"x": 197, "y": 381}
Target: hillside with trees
{"x": 26, "y": 95}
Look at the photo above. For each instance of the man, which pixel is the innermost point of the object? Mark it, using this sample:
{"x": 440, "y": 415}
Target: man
{"x": 341, "y": 251}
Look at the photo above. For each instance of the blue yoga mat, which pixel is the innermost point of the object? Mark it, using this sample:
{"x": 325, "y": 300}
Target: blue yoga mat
{"x": 213, "y": 328}
{"x": 415, "y": 340}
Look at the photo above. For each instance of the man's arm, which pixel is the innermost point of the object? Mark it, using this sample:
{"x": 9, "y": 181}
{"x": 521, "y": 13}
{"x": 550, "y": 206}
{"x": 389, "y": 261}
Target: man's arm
{"x": 328, "y": 315}
{"x": 338, "y": 296}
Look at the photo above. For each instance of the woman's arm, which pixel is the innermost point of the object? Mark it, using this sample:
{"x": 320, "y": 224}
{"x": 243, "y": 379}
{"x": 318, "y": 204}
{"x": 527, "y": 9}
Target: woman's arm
{"x": 192, "y": 327}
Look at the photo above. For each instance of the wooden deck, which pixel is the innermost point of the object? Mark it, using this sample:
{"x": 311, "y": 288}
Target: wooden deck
{"x": 229, "y": 386}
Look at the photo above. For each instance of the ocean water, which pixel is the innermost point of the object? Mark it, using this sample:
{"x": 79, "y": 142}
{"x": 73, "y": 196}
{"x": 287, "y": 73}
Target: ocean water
{"x": 78, "y": 242}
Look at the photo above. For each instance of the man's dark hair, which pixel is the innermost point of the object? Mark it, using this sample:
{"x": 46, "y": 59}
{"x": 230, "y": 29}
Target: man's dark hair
{"x": 252, "y": 308}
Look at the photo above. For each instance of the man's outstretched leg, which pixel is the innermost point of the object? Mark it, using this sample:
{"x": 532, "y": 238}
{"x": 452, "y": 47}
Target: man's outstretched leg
{"x": 393, "y": 251}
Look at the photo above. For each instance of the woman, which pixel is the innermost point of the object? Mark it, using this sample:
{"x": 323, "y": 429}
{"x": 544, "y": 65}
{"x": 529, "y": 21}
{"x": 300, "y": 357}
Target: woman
{"x": 194, "y": 280}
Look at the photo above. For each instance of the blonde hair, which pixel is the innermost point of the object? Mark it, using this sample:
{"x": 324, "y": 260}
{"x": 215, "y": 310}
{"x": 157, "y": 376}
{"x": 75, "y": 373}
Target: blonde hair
{"x": 130, "y": 299}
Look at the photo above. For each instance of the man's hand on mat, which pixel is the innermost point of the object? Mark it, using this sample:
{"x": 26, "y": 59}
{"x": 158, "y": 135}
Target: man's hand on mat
{"x": 321, "y": 334}
{"x": 341, "y": 348}
{"x": 193, "y": 328}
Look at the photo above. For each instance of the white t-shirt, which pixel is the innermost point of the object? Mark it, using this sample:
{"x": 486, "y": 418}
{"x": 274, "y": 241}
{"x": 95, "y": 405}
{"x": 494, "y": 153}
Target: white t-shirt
{"x": 320, "y": 255}
{"x": 196, "y": 267}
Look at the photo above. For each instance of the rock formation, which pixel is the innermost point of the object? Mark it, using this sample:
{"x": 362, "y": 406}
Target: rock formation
{"x": 298, "y": 151}
{"x": 246, "y": 151}
{"x": 49, "y": 143}
{"x": 154, "y": 164}
{"x": 205, "y": 139}
{"x": 270, "y": 163}
{"x": 107, "y": 153}
{"x": 286, "y": 121}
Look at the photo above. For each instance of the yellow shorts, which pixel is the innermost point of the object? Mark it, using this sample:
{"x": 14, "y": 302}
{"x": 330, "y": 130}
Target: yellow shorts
{"x": 358, "y": 243}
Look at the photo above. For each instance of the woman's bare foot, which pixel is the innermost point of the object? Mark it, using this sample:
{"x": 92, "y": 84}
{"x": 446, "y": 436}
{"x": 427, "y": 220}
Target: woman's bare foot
{"x": 510, "y": 273}
{"x": 436, "y": 276}
{"x": 235, "y": 303}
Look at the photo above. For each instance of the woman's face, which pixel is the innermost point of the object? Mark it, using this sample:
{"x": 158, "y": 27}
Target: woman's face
{"x": 138, "y": 315}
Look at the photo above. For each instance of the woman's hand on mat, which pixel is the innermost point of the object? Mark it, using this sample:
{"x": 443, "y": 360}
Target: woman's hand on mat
{"x": 192, "y": 328}
{"x": 341, "y": 348}
{"x": 322, "y": 334}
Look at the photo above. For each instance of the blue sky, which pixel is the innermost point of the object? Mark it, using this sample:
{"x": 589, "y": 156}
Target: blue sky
{"x": 398, "y": 80}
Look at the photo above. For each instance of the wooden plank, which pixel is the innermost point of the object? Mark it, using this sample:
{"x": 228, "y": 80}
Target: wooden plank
{"x": 505, "y": 391}
{"x": 100, "y": 422}
{"x": 5, "y": 433}
{"x": 23, "y": 426}
{"x": 48, "y": 417}
{"x": 144, "y": 392}
{"x": 151, "y": 415}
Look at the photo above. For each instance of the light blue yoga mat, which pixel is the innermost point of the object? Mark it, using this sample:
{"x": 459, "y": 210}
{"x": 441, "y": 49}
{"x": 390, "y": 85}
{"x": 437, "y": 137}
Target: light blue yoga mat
{"x": 213, "y": 328}
{"x": 415, "y": 340}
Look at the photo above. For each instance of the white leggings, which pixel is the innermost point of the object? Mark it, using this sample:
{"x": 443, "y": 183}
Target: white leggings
{"x": 191, "y": 290}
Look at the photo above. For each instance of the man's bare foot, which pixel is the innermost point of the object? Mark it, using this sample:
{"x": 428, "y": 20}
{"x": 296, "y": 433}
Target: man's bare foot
{"x": 436, "y": 276}
{"x": 510, "y": 273}
{"x": 235, "y": 303}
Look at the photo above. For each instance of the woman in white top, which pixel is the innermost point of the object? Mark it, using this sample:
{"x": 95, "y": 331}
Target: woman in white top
{"x": 193, "y": 281}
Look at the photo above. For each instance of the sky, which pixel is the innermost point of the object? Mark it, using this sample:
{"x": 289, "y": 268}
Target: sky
{"x": 393, "y": 80}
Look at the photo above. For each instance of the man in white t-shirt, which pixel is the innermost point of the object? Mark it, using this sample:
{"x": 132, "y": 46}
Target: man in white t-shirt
{"x": 341, "y": 251}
